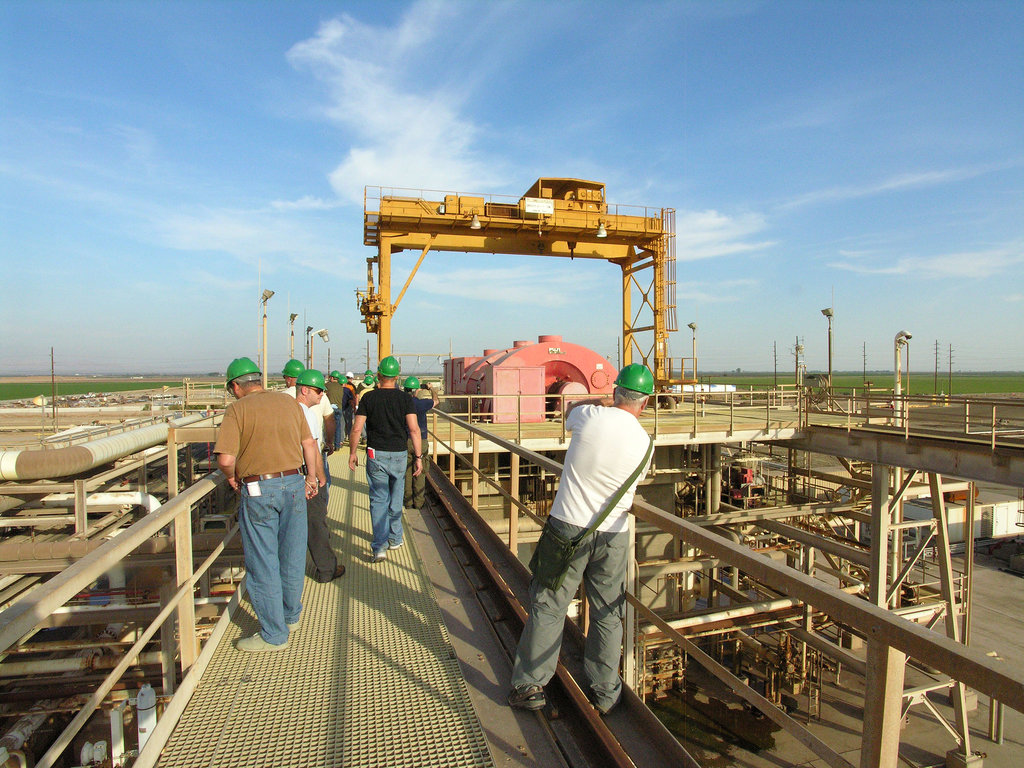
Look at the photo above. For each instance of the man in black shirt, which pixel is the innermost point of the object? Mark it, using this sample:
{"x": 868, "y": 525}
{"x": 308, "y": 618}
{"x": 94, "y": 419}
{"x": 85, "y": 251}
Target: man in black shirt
{"x": 390, "y": 420}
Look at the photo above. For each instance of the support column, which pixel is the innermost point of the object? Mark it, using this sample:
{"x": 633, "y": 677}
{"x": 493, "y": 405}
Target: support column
{"x": 712, "y": 477}
{"x": 167, "y": 640}
{"x": 172, "y": 464}
{"x": 513, "y": 515}
{"x": 81, "y": 509}
{"x": 952, "y": 609}
{"x": 474, "y": 482}
{"x": 883, "y": 696}
{"x": 627, "y": 315}
{"x": 187, "y": 606}
{"x": 384, "y": 286}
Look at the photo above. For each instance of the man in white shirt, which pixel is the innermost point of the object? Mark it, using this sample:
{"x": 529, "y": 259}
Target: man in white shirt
{"x": 291, "y": 371}
{"x": 608, "y": 444}
{"x": 308, "y": 390}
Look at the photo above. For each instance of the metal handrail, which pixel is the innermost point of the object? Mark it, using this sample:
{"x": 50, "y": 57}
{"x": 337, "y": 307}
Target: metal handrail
{"x": 21, "y": 618}
{"x": 960, "y": 662}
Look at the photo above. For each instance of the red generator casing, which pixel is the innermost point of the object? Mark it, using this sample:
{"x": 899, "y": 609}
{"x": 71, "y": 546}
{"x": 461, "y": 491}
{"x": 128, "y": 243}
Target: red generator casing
{"x": 536, "y": 372}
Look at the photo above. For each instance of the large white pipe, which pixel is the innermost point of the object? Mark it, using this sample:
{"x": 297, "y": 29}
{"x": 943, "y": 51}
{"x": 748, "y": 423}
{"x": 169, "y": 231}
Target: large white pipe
{"x": 115, "y": 498}
{"x": 75, "y": 459}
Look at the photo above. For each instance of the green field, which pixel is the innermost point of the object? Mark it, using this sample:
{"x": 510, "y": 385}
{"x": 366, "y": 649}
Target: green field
{"x": 21, "y": 390}
{"x": 920, "y": 383}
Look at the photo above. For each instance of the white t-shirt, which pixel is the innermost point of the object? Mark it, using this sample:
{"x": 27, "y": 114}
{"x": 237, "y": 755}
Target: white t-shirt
{"x": 316, "y": 425}
{"x": 607, "y": 444}
{"x": 323, "y": 408}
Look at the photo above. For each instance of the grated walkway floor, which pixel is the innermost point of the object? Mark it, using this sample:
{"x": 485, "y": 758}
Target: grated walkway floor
{"x": 369, "y": 678}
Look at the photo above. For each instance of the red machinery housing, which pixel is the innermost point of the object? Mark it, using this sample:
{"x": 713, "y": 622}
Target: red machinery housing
{"x": 534, "y": 371}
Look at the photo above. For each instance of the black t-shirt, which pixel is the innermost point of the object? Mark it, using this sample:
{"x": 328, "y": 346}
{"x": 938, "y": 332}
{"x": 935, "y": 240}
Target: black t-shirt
{"x": 385, "y": 411}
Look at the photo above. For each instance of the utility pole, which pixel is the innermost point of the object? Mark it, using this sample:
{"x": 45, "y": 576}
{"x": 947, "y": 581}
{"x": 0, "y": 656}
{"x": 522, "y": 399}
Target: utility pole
{"x": 950, "y": 387}
{"x": 775, "y": 356}
{"x": 798, "y": 349}
{"x": 864, "y": 355}
{"x": 935, "y": 384}
{"x": 53, "y": 391}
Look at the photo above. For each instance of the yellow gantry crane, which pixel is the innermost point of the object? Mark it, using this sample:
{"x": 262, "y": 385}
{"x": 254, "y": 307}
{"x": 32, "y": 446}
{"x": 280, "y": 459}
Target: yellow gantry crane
{"x": 556, "y": 217}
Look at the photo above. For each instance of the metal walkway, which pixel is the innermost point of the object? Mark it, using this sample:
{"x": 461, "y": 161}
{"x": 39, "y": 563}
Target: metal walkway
{"x": 369, "y": 678}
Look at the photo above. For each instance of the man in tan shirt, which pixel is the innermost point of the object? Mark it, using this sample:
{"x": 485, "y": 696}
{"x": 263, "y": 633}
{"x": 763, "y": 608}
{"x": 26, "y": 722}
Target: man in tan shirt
{"x": 262, "y": 444}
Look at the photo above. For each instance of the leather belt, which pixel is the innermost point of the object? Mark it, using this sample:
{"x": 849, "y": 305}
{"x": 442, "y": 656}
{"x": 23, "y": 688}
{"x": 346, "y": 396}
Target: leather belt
{"x": 269, "y": 476}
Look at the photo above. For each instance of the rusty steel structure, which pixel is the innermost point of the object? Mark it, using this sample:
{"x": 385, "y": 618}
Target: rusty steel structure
{"x": 555, "y": 217}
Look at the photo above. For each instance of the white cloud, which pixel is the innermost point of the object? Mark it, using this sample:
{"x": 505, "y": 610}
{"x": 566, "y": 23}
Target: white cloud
{"x": 306, "y": 203}
{"x": 401, "y": 132}
{"x": 962, "y": 265}
{"x": 251, "y": 236}
{"x": 707, "y": 234}
{"x": 892, "y": 184}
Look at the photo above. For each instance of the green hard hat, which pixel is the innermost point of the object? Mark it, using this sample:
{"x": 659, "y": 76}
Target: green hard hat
{"x": 293, "y": 368}
{"x": 411, "y": 383}
{"x": 368, "y": 372}
{"x": 637, "y": 378}
{"x": 336, "y": 375}
{"x": 389, "y": 367}
{"x": 241, "y": 366}
{"x": 311, "y": 378}
{"x": 368, "y": 380}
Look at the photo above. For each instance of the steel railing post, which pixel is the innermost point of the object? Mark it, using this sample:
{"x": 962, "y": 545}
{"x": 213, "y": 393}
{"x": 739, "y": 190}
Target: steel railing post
{"x": 183, "y": 573}
{"x": 475, "y": 480}
{"x": 513, "y": 516}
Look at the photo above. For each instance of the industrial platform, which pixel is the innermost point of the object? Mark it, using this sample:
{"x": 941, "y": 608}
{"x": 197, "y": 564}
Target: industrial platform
{"x": 369, "y": 677}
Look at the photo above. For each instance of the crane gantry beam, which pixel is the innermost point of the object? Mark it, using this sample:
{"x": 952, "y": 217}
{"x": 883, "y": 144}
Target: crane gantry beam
{"x": 556, "y": 217}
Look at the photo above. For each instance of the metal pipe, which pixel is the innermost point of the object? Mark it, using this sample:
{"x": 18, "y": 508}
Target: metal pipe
{"x": 74, "y": 664}
{"x": 63, "y": 462}
{"x": 28, "y": 611}
{"x": 747, "y": 609}
{"x": 135, "y": 498}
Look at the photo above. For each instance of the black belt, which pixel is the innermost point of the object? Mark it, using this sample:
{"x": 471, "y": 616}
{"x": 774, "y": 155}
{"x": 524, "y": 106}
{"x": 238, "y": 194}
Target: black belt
{"x": 269, "y": 476}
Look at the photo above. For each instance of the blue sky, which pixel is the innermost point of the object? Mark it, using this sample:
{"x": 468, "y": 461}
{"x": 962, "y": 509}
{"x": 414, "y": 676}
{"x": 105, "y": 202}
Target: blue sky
{"x": 162, "y": 162}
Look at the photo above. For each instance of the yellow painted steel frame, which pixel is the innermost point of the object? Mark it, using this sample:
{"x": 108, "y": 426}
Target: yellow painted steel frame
{"x": 556, "y": 217}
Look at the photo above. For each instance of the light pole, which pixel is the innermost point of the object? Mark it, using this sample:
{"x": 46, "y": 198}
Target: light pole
{"x": 309, "y": 344}
{"x": 693, "y": 327}
{"x": 902, "y": 339}
{"x": 291, "y": 343}
{"x": 827, "y": 312}
{"x": 266, "y": 297}
{"x": 322, "y": 333}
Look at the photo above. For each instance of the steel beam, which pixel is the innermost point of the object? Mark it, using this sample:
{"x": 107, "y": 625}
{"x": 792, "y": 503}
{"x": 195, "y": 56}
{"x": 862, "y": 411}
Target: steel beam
{"x": 958, "y": 457}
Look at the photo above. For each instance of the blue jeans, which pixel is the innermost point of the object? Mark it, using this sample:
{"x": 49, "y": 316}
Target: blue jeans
{"x": 338, "y": 426}
{"x": 385, "y": 474}
{"x": 274, "y": 539}
{"x": 600, "y": 563}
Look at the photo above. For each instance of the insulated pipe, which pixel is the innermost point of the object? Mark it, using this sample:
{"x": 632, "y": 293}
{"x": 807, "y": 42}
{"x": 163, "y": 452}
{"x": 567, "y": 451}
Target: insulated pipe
{"x": 74, "y": 664}
{"x": 63, "y": 462}
{"x": 117, "y": 498}
{"x": 747, "y": 609}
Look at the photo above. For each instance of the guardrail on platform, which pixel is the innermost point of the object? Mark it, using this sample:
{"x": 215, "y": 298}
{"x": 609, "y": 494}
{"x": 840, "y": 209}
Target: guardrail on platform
{"x": 885, "y": 630}
{"x": 19, "y": 621}
{"x": 687, "y": 411}
{"x": 995, "y": 421}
